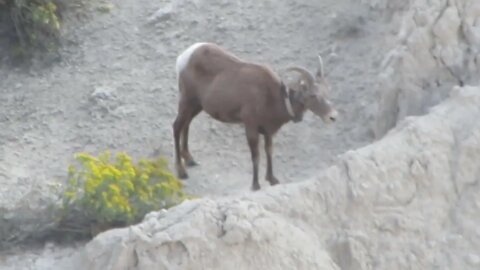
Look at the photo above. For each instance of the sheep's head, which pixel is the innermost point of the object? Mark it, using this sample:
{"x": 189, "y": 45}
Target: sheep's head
{"x": 312, "y": 92}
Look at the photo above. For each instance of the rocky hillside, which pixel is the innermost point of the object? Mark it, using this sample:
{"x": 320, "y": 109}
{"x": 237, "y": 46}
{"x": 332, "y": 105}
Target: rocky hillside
{"x": 115, "y": 88}
{"x": 406, "y": 201}
{"x": 437, "y": 46}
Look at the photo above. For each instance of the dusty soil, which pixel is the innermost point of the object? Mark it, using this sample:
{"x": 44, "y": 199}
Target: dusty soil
{"x": 48, "y": 115}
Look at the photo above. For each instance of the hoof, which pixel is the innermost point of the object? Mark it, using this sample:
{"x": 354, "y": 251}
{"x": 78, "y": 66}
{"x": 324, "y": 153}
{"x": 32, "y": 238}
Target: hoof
{"x": 183, "y": 175}
{"x": 273, "y": 181}
{"x": 181, "y": 172}
{"x": 191, "y": 163}
{"x": 255, "y": 187}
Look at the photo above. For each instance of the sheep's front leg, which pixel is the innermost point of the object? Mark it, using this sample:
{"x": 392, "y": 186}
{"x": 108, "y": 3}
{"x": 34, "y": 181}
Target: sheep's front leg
{"x": 268, "y": 151}
{"x": 185, "y": 153}
{"x": 252, "y": 138}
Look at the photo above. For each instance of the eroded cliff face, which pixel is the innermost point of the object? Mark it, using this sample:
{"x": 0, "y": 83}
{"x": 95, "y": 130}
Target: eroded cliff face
{"x": 408, "y": 201}
{"x": 437, "y": 47}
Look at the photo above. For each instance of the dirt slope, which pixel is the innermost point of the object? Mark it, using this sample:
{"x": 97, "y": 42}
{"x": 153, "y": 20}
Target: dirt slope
{"x": 50, "y": 115}
{"x": 115, "y": 89}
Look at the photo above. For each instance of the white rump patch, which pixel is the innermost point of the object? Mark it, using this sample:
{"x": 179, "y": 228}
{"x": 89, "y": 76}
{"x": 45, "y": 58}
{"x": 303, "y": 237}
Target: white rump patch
{"x": 184, "y": 57}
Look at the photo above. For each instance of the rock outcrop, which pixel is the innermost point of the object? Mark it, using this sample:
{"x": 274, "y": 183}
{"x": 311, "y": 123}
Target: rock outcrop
{"x": 408, "y": 201}
{"x": 437, "y": 47}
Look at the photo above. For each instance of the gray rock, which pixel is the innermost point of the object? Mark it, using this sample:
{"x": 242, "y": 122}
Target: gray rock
{"x": 286, "y": 227}
{"x": 104, "y": 92}
{"x": 162, "y": 14}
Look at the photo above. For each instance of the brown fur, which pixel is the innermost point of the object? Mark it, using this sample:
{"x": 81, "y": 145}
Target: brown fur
{"x": 233, "y": 91}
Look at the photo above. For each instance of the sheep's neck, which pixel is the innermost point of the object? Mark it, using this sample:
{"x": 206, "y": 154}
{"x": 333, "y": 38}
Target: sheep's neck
{"x": 297, "y": 108}
{"x": 288, "y": 104}
{"x": 292, "y": 106}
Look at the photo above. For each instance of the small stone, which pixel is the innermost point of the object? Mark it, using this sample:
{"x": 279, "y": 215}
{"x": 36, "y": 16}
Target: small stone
{"x": 105, "y": 8}
{"x": 161, "y": 14}
{"x": 103, "y": 92}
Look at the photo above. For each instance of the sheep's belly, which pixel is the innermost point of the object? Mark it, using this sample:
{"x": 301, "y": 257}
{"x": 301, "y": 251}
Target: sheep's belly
{"x": 232, "y": 116}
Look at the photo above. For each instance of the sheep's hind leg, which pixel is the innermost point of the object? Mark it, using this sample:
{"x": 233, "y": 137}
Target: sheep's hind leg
{"x": 252, "y": 138}
{"x": 178, "y": 125}
{"x": 189, "y": 160}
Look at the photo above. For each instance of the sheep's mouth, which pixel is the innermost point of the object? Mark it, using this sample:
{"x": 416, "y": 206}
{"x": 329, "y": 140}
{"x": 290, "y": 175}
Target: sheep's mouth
{"x": 328, "y": 121}
{"x": 330, "y": 118}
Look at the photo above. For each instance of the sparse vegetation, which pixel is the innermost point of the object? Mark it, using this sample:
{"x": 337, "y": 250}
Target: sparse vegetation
{"x": 102, "y": 193}
{"x": 32, "y": 25}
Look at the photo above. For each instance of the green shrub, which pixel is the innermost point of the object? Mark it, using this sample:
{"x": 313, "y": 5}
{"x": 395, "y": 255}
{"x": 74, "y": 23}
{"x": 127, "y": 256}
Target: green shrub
{"x": 102, "y": 193}
{"x": 35, "y": 24}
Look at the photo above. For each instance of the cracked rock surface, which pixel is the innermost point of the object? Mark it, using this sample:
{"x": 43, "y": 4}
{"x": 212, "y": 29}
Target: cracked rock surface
{"x": 409, "y": 200}
{"x": 114, "y": 89}
{"x": 437, "y": 46}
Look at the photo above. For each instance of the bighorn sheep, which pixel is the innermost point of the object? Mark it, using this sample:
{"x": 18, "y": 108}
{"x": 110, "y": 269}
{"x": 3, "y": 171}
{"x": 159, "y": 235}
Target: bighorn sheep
{"x": 232, "y": 90}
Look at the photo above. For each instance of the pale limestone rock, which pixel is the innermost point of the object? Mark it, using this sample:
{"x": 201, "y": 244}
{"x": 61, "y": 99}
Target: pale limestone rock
{"x": 385, "y": 206}
{"x": 210, "y": 235}
{"x": 438, "y": 47}
{"x": 408, "y": 201}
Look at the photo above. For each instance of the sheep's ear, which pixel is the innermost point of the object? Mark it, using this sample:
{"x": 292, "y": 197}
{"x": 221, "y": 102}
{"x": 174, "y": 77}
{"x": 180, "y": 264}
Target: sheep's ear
{"x": 320, "y": 69}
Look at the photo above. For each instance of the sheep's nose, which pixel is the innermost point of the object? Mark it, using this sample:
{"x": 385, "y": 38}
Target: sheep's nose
{"x": 333, "y": 116}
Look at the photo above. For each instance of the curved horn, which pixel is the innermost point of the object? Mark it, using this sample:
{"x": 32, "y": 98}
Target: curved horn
{"x": 320, "y": 71}
{"x": 305, "y": 74}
